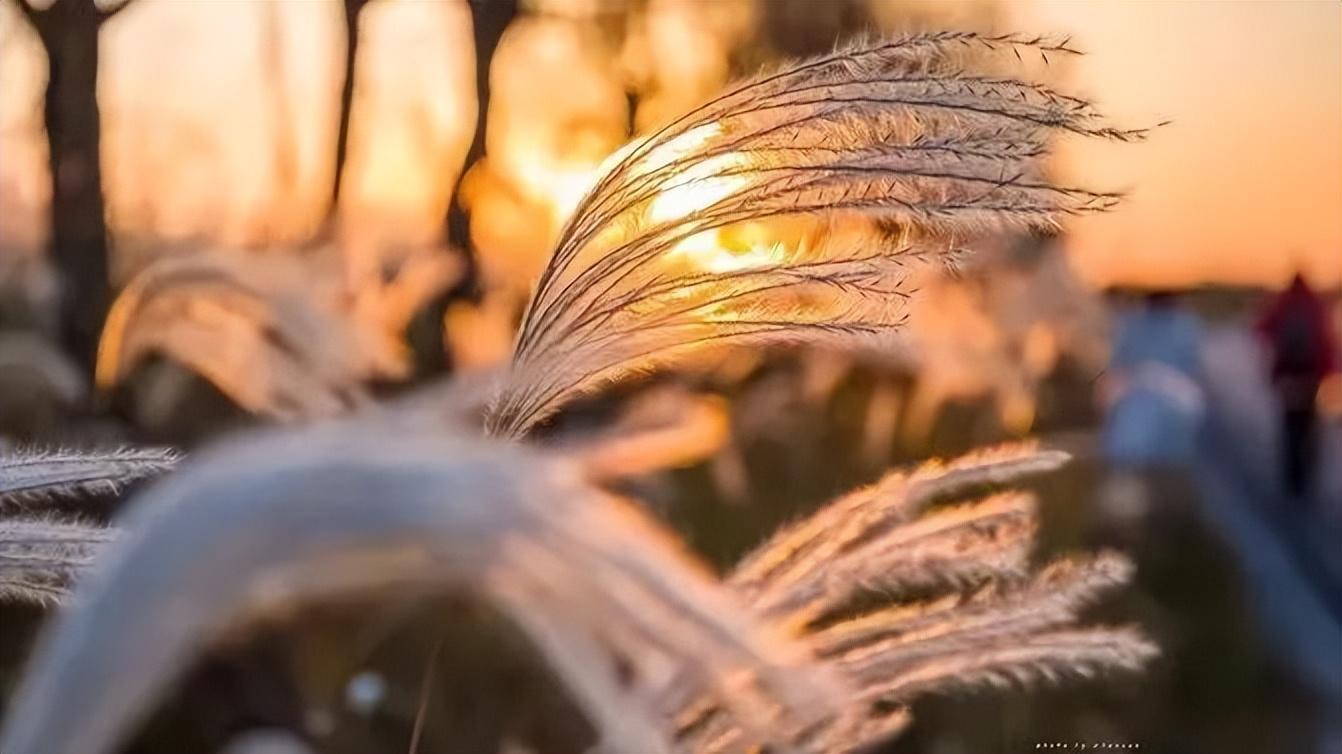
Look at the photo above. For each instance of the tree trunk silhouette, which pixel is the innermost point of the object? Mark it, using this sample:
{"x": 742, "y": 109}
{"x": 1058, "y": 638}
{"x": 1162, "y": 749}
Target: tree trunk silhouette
{"x": 488, "y": 18}
{"x": 284, "y": 156}
{"x": 352, "y": 10}
{"x": 68, "y": 30}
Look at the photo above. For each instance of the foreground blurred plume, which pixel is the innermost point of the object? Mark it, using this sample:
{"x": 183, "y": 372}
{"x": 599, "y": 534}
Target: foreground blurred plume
{"x": 916, "y": 155}
{"x": 614, "y": 607}
{"x": 657, "y": 656}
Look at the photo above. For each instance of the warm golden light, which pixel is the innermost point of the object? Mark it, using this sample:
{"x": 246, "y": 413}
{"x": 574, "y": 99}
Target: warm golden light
{"x": 556, "y": 183}
{"x": 560, "y": 186}
{"x": 708, "y": 252}
{"x": 699, "y": 186}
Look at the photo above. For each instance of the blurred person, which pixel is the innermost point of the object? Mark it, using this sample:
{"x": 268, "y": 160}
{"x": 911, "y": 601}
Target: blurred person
{"x": 1301, "y": 348}
{"x": 1153, "y": 401}
{"x": 1153, "y": 391}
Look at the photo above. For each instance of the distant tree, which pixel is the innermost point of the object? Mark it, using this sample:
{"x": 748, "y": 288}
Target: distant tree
{"x": 488, "y": 18}
{"x": 351, "y": 10}
{"x": 284, "y": 165}
{"x": 69, "y": 31}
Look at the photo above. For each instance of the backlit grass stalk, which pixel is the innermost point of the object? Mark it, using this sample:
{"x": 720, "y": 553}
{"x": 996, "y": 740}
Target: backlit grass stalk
{"x": 40, "y": 558}
{"x": 899, "y": 136}
{"x": 33, "y": 475}
{"x": 987, "y": 624}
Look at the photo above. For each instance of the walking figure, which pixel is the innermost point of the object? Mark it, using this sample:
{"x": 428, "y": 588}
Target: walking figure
{"x": 1295, "y": 327}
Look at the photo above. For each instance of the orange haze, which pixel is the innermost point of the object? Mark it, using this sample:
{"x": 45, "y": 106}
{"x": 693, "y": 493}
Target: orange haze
{"x": 1244, "y": 186}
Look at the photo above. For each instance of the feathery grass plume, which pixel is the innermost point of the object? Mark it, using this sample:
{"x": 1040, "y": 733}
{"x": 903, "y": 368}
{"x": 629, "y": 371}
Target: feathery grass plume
{"x": 795, "y": 553}
{"x": 613, "y": 606}
{"x": 1007, "y": 630}
{"x": 281, "y": 336}
{"x": 40, "y": 558}
{"x": 896, "y": 138}
{"x": 957, "y": 547}
{"x": 231, "y": 321}
{"x": 1052, "y": 598}
{"x": 34, "y": 474}
{"x": 1051, "y": 657}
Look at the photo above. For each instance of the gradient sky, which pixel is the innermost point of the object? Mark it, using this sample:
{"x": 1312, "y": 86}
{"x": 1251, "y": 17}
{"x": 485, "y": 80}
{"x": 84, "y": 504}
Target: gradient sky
{"x": 1244, "y": 186}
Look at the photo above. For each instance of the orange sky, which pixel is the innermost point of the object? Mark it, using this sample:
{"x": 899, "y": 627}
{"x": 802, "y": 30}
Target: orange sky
{"x": 1244, "y": 186}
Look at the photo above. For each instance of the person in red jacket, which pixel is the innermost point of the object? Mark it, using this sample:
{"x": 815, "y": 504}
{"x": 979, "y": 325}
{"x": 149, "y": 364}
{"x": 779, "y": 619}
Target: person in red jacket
{"x": 1296, "y": 328}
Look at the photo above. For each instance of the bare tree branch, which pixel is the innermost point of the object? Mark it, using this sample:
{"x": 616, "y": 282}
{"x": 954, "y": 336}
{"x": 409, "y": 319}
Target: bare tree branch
{"x": 107, "y": 12}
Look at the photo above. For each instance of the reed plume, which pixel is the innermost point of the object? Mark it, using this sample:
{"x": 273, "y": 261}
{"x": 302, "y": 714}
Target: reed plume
{"x": 242, "y": 324}
{"x": 987, "y": 623}
{"x": 1051, "y": 599}
{"x": 808, "y": 548}
{"x": 281, "y": 336}
{"x": 898, "y": 138}
{"x": 1053, "y": 656}
{"x": 610, "y": 602}
{"x": 35, "y": 475}
{"x": 40, "y": 558}
{"x": 42, "y": 555}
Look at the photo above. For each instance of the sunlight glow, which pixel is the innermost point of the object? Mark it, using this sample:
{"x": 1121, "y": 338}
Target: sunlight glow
{"x": 707, "y": 251}
{"x": 562, "y": 186}
{"x": 558, "y": 184}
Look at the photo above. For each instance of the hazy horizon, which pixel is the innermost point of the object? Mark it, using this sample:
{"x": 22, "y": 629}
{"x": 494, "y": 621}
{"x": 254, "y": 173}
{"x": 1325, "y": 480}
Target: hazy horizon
{"x": 1244, "y": 186}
